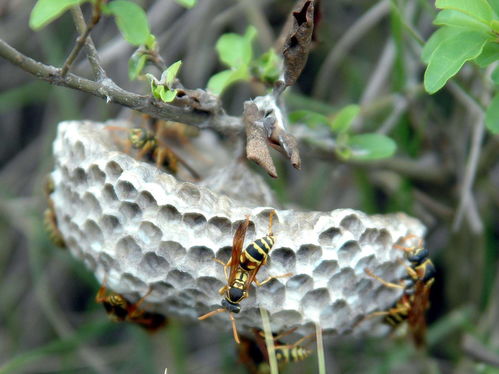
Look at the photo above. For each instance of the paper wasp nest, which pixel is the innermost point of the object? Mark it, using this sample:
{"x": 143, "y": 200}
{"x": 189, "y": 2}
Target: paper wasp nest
{"x": 140, "y": 227}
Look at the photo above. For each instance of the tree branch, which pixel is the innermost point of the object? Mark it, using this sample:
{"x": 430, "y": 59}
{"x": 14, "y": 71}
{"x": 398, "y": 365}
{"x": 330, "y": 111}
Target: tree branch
{"x": 86, "y": 40}
{"x": 111, "y": 92}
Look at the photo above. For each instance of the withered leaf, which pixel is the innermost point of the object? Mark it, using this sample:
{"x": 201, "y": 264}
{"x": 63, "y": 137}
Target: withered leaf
{"x": 298, "y": 39}
{"x": 256, "y": 146}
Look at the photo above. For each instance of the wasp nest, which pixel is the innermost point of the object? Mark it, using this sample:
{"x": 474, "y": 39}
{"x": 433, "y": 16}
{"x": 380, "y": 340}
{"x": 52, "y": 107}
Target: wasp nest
{"x": 141, "y": 229}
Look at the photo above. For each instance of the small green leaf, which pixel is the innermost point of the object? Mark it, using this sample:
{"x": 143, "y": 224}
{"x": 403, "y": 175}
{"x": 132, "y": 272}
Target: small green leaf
{"x": 478, "y": 9}
{"x": 151, "y": 42}
{"x": 268, "y": 67}
{"x": 159, "y": 91}
{"x": 168, "y": 95}
{"x": 492, "y": 115}
{"x": 170, "y": 73}
{"x": 449, "y": 17}
{"x": 187, "y": 3}
{"x": 494, "y": 24}
{"x": 490, "y": 54}
{"x": 495, "y": 75}
{"x": 220, "y": 81}
{"x": 45, "y": 11}
{"x": 135, "y": 64}
{"x": 235, "y": 50}
{"x": 371, "y": 146}
{"x": 450, "y": 56}
{"x": 436, "y": 38}
{"x": 131, "y": 21}
{"x": 341, "y": 122}
{"x": 312, "y": 119}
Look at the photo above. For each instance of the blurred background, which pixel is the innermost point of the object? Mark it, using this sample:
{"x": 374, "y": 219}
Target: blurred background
{"x": 367, "y": 53}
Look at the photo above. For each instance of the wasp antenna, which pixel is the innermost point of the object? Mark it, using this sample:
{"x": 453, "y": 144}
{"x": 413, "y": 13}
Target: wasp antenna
{"x": 234, "y": 328}
{"x": 117, "y": 128}
{"x": 212, "y": 313}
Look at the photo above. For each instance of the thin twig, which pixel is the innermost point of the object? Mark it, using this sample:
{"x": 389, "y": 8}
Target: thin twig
{"x": 354, "y": 34}
{"x": 477, "y": 351}
{"x": 84, "y": 31}
{"x": 111, "y": 92}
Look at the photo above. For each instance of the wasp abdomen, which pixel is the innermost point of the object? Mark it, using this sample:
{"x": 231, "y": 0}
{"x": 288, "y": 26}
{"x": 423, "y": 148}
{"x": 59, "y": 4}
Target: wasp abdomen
{"x": 256, "y": 253}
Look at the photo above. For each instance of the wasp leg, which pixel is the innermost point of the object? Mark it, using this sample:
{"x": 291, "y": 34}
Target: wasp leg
{"x": 408, "y": 237}
{"x": 259, "y": 284}
{"x": 298, "y": 342}
{"x": 387, "y": 284}
{"x": 101, "y": 294}
{"x": 234, "y": 328}
{"x": 224, "y": 265}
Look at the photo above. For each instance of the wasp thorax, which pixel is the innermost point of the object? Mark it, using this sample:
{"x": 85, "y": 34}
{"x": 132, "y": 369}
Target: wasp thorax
{"x": 139, "y": 137}
{"x": 235, "y": 295}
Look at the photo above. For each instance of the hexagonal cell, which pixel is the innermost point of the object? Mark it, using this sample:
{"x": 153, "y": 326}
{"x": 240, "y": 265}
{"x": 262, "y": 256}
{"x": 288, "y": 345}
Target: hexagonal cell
{"x": 189, "y": 193}
{"x": 171, "y": 251}
{"x": 130, "y": 211}
{"x": 110, "y": 224}
{"x": 325, "y": 269}
{"x": 80, "y": 177}
{"x": 180, "y": 279}
{"x": 93, "y": 233}
{"x": 146, "y": 200}
{"x": 113, "y": 171}
{"x": 329, "y": 236}
{"x": 218, "y": 227}
{"x": 91, "y": 204}
{"x": 353, "y": 224}
{"x": 348, "y": 251}
{"x": 308, "y": 254}
{"x": 300, "y": 284}
{"x": 283, "y": 259}
{"x": 97, "y": 176}
{"x": 128, "y": 250}
{"x": 342, "y": 279}
{"x": 125, "y": 190}
{"x": 78, "y": 151}
{"x": 153, "y": 266}
{"x": 149, "y": 233}
{"x": 194, "y": 221}
{"x": 108, "y": 194}
{"x": 168, "y": 214}
{"x": 315, "y": 301}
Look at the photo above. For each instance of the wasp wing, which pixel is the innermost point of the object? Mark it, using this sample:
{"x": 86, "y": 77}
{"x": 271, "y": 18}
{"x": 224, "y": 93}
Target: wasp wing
{"x": 416, "y": 318}
{"x": 237, "y": 247}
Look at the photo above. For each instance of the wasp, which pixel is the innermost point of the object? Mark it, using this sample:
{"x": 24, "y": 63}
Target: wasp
{"x": 415, "y": 300}
{"x": 49, "y": 217}
{"x": 244, "y": 265}
{"x": 254, "y": 354}
{"x": 149, "y": 148}
{"x": 120, "y": 309}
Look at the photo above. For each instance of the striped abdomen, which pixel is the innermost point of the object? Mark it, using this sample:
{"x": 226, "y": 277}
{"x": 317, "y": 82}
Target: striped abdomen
{"x": 404, "y": 306}
{"x": 256, "y": 253}
{"x": 286, "y": 355}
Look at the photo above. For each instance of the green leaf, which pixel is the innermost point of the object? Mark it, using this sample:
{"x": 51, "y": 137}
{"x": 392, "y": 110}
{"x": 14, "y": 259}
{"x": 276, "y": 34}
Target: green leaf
{"x": 492, "y": 115}
{"x": 312, "y": 119}
{"x": 495, "y": 75}
{"x": 151, "y": 42}
{"x": 450, "y": 56}
{"x": 131, "y": 21}
{"x": 371, "y": 146}
{"x": 341, "y": 122}
{"x": 170, "y": 73}
{"x": 490, "y": 54}
{"x": 135, "y": 64}
{"x": 168, "y": 95}
{"x": 45, "y": 11}
{"x": 495, "y": 6}
{"x": 478, "y": 9}
{"x": 449, "y": 17}
{"x": 220, "y": 81}
{"x": 436, "y": 38}
{"x": 494, "y": 24}
{"x": 235, "y": 50}
{"x": 158, "y": 91}
{"x": 268, "y": 66}
{"x": 187, "y": 3}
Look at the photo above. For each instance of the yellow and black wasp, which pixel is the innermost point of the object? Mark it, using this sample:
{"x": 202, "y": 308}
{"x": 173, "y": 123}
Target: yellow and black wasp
{"x": 149, "y": 149}
{"x": 120, "y": 309}
{"x": 254, "y": 354}
{"x": 244, "y": 265}
{"x": 415, "y": 301}
{"x": 49, "y": 216}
